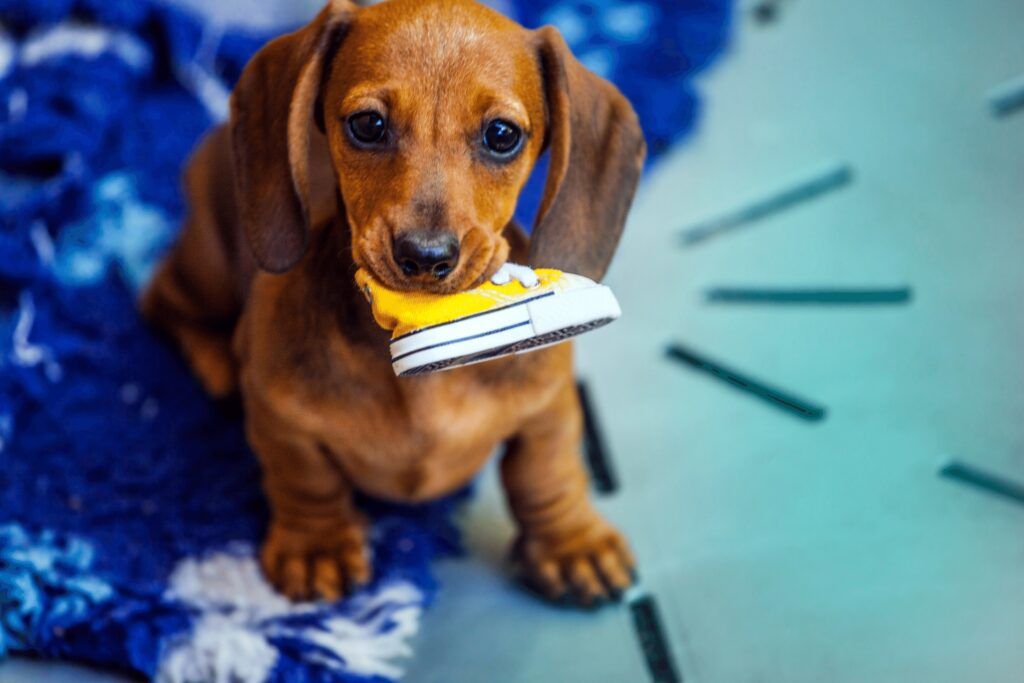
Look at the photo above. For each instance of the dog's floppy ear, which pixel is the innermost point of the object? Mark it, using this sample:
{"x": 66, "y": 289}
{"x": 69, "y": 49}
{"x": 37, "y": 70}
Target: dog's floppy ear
{"x": 272, "y": 108}
{"x": 597, "y": 151}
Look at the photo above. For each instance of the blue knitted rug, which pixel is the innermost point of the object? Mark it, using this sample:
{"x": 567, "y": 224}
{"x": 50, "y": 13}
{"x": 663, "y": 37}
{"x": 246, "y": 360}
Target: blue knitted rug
{"x": 130, "y": 506}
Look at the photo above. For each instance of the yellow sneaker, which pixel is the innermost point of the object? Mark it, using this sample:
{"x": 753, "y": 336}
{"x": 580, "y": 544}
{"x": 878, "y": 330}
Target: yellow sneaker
{"x": 518, "y": 310}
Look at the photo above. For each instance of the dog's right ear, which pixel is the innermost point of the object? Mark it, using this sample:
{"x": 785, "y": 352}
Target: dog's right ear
{"x": 272, "y": 108}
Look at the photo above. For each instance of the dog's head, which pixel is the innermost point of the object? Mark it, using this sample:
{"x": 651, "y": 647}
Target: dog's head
{"x": 434, "y": 113}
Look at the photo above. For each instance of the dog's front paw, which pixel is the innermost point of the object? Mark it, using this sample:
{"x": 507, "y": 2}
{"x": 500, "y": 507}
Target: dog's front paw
{"x": 589, "y": 565}
{"x": 316, "y": 563}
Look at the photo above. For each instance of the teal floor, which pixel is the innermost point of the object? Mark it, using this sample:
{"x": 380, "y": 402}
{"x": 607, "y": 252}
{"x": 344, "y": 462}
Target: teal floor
{"x": 781, "y": 550}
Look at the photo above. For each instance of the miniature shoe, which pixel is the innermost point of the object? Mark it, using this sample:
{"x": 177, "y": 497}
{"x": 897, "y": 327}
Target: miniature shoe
{"x": 518, "y": 310}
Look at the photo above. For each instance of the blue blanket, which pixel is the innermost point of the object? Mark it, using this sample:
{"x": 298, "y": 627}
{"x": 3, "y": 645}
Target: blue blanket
{"x": 129, "y": 503}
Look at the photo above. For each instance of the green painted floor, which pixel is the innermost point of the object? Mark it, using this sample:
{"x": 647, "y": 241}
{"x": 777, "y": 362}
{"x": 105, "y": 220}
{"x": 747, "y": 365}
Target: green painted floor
{"x": 781, "y": 550}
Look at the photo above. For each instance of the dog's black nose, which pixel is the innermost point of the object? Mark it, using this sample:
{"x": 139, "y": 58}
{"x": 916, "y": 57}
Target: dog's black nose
{"x": 427, "y": 251}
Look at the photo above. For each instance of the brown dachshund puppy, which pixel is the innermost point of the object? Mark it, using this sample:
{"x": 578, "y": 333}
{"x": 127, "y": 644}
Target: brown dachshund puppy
{"x": 397, "y": 138}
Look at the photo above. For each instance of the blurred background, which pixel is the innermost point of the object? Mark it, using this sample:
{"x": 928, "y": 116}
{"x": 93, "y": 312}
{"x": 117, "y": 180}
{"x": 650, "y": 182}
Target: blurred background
{"x": 808, "y": 420}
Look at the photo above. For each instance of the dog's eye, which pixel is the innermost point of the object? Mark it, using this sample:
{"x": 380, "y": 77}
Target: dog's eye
{"x": 501, "y": 137}
{"x": 367, "y": 127}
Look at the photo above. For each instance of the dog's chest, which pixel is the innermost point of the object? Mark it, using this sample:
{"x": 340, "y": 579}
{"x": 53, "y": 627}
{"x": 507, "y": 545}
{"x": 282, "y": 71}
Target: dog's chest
{"x": 430, "y": 435}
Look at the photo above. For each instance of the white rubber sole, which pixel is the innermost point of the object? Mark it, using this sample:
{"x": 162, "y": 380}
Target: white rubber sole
{"x": 546, "y": 319}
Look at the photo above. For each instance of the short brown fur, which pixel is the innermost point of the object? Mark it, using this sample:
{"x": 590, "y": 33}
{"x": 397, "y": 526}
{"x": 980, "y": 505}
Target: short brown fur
{"x": 258, "y": 291}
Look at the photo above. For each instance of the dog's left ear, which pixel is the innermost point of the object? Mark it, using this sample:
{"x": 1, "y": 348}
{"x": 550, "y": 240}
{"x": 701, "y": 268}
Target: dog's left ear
{"x": 272, "y": 109}
{"x": 597, "y": 152}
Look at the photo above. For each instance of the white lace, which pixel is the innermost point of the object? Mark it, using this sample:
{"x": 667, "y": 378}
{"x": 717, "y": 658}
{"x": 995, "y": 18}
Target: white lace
{"x": 524, "y": 274}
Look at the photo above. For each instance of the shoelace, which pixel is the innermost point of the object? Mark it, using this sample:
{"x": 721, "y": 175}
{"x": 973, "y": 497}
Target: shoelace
{"x": 524, "y": 274}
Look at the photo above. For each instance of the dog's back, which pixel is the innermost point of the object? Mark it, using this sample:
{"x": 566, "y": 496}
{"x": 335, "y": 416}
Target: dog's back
{"x": 200, "y": 288}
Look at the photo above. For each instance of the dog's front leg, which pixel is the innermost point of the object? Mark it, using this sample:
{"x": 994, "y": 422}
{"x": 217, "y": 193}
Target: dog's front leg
{"x": 564, "y": 545}
{"x": 316, "y": 545}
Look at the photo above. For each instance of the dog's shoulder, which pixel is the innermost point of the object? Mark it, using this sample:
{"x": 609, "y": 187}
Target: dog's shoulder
{"x": 311, "y": 326}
